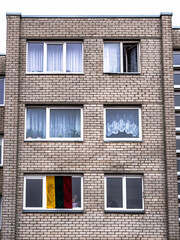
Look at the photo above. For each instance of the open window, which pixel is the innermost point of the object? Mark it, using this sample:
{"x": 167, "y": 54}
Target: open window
{"x": 121, "y": 57}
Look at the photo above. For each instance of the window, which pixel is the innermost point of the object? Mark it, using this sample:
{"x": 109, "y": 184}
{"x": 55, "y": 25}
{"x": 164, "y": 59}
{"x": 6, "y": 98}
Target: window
{"x": 177, "y": 100}
{"x": 54, "y": 57}
{"x": 56, "y": 192}
{"x": 178, "y": 166}
{"x": 122, "y": 124}
{"x": 1, "y": 151}
{"x": 176, "y": 58}
{"x": 179, "y": 212}
{"x": 121, "y": 57}
{"x": 0, "y": 210}
{"x": 177, "y": 115}
{"x": 177, "y": 143}
{"x": 124, "y": 193}
{"x": 179, "y": 189}
{"x": 2, "y": 88}
{"x": 176, "y": 79}
{"x": 44, "y": 123}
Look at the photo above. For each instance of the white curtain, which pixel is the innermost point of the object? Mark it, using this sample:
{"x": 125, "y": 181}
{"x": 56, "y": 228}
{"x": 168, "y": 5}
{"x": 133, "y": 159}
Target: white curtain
{"x": 36, "y": 123}
{"x": 122, "y": 123}
{"x": 35, "y": 57}
{"x": 65, "y": 123}
{"x": 111, "y": 57}
{"x": 55, "y": 57}
{"x": 73, "y": 57}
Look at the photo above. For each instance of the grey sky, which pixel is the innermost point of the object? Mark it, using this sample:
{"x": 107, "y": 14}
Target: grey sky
{"x": 86, "y": 7}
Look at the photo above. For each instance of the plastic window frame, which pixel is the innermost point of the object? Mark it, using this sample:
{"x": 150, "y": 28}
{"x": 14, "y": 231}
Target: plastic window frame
{"x": 178, "y": 173}
{"x": 124, "y": 139}
{"x": 176, "y": 72}
{"x": 48, "y": 138}
{"x": 177, "y": 138}
{"x": 121, "y": 57}
{"x": 124, "y": 188}
{"x": 176, "y": 53}
{"x": 45, "y": 43}
{"x": 2, "y": 150}
{"x": 44, "y": 200}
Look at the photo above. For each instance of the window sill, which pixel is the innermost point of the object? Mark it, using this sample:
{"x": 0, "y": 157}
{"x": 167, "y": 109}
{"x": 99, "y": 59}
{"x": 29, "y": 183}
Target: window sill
{"x": 123, "y": 73}
{"x": 53, "y": 140}
{"x": 53, "y": 211}
{"x": 125, "y": 211}
{"x": 123, "y": 140}
{"x": 54, "y": 73}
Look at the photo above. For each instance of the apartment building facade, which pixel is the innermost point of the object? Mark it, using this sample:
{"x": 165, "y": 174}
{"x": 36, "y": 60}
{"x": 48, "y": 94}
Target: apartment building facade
{"x": 87, "y": 127}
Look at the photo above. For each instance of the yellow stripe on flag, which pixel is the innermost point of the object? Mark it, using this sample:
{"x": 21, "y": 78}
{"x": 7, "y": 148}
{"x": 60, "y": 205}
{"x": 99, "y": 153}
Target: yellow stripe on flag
{"x": 50, "y": 191}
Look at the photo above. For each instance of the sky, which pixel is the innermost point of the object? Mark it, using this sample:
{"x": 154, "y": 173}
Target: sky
{"x": 86, "y": 7}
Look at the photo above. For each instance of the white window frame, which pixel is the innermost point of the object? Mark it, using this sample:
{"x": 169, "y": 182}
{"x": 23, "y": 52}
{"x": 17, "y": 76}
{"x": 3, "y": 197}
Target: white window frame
{"x": 178, "y": 211}
{"x": 3, "y": 104}
{"x": 176, "y": 53}
{"x": 45, "y": 57}
{"x": 177, "y": 138}
{"x": 176, "y": 73}
{"x": 44, "y": 200}
{"x": 178, "y": 159}
{"x": 124, "y": 139}
{"x": 121, "y": 57}
{"x": 48, "y": 109}
{"x": 2, "y": 150}
{"x": 124, "y": 200}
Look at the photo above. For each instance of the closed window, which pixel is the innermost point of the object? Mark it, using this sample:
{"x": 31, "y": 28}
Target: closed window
{"x": 177, "y": 100}
{"x": 177, "y": 143}
{"x": 177, "y": 79}
{"x": 2, "y": 88}
{"x": 1, "y": 151}
{"x": 177, "y": 116}
{"x": 176, "y": 58}
{"x": 122, "y": 124}
{"x": 0, "y": 210}
{"x": 56, "y": 192}
{"x": 178, "y": 189}
{"x": 54, "y": 57}
{"x": 178, "y": 166}
{"x": 123, "y": 193}
{"x": 121, "y": 57}
{"x": 54, "y": 123}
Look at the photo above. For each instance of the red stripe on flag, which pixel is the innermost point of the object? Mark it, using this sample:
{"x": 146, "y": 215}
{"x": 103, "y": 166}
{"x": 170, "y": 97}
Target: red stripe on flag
{"x": 67, "y": 187}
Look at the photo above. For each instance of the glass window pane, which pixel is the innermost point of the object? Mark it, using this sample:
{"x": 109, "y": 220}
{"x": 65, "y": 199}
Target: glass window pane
{"x": 34, "y": 192}
{"x": 177, "y": 120}
{"x": 36, "y": 123}
{"x": 176, "y": 79}
{"x": 76, "y": 192}
{"x": 0, "y": 210}
{"x": 65, "y": 123}
{"x": 177, "y": 100}
{"x": 35, "y": 57}
{"x": 114, "y": 192}
{"x": 177, "y": 144}
{"x": 178, "y": 165}
{"x": 134, "y": 193}
{"x": 130, "y": 57}
{"x": 122, "y": 123}
{"x": 176, "y": 59}
{"x": 0, "y": 151}
{"x": 55, "y": 57}
{"x": 111, "y": 57}
{"x": 73, "y": 57}
{"x": 178, "y": 188}
{"x": 179, "y": 211}
{"x": 1, "y": 91}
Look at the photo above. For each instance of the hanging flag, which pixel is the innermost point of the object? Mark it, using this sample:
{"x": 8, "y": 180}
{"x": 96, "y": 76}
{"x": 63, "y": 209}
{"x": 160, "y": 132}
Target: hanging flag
{"x": 59, "y": 191}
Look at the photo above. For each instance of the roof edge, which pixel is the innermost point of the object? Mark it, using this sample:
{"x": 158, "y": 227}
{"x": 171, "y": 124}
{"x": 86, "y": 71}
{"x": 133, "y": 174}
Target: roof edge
{"x": 13, "y": 14}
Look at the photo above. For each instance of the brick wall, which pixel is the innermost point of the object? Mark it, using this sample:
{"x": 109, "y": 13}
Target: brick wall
{"x": 176, "y": 38}
{"x": 93, "y": 157}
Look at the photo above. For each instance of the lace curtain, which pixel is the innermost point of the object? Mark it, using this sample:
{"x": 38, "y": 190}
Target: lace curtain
{"x": 54, "y": 58}
{"x": 122, "y": 123}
